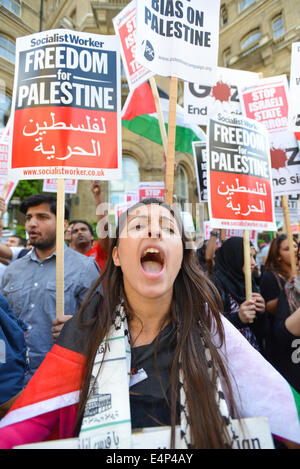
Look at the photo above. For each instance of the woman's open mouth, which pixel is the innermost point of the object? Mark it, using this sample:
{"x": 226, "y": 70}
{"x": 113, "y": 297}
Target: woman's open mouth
{"x": 152, "y": 262}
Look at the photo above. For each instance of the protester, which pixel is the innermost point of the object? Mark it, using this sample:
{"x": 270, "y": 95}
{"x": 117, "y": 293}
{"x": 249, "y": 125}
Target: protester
{"x": 82, "y": 236}
{"x": 247, "y": 315}
{"x": 68, "y": 234}
{"x": 285, "y": 333}
{"x": 162, "y": 313}
{"x": 12, "y": 356}
{"x": 16, "y": 241}
{"x": 264, "y": 253}
{"x": 277, "y": 271}
{"x": 29, "y": 283}
{"x": 12, "y": 249}
{"x": 256, "y": 272}
{"x": 101, "y": 247}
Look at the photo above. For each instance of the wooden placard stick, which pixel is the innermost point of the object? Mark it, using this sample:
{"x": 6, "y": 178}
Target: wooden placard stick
{"x": 287, "y": 221}
{"x": 222, "y": 235}
{"x": 247, "y": 265}
{"x": 171, "y": 142}
{"x": 60, "y": 218}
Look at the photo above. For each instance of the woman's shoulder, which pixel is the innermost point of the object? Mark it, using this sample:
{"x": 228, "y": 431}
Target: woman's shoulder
{"x": 268, "y": 274}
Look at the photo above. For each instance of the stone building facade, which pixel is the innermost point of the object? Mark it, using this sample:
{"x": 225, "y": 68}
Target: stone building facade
{"x": 255, "y": 35}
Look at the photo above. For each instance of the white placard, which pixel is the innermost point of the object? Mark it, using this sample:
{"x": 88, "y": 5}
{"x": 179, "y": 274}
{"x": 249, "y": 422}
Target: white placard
{"x": 179, "y": 39}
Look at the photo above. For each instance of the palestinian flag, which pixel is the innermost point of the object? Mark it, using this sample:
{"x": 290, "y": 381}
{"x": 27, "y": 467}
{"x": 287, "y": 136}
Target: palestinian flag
{"x": 47, "y": 408}
{"x": 139, "y": 116}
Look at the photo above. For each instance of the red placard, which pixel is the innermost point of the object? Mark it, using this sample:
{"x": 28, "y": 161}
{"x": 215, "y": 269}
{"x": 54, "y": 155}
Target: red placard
{"x": 152, "y": 189}
{"x": 66, "y": 107}
{"x": 239, "y": 174}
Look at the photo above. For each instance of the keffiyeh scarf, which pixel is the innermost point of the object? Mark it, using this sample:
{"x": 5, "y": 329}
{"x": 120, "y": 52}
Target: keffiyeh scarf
{"x": 106, "y": 422}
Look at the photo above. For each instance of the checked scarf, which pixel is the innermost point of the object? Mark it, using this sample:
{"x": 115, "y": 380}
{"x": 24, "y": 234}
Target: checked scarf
{"x": 107, "y": 422}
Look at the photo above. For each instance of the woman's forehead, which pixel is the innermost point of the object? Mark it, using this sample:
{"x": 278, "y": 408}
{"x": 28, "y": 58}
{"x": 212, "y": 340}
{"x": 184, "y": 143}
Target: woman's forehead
{"x": 150, "y": 211}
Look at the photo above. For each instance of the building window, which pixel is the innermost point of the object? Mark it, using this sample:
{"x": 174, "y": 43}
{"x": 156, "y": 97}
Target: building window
{"x": 226, "y": 57}
{"x": 278, "y": 27}
{"x": 129, "y": 182}
{"x": 181, "y": 186}
{"x": 251, "y": 39}
{"x": 7, "y": 49}
{"x": 223, "y": 15}
{"x": 13, "y": 6}
{"x": 243, "y": 4}
{"x": 5, "y": 105}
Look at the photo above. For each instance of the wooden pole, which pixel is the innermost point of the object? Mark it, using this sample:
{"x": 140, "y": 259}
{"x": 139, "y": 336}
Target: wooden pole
{"x": 247, "y": 265}
{"x": 287, "y": 221}
{"x": 60, "y": 219}
{"x": 171, "y": 142}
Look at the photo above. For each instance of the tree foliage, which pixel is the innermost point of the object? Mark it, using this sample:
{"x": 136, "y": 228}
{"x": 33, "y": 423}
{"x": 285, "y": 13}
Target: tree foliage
{"x": 26, "y": 188}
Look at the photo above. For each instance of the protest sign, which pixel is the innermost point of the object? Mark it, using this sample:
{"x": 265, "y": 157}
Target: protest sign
{"x": 125, "y": 27}
{"x": 154, "y": 189}
{"x": 70, "y": 186}
{"x": 66, "y": 107}
{"x": 249, "y": 433}
{"x": 199, "y": 150}
{"x": 293, "y": 209}
{"x": 239, "y": 174}
{"x": 178, "y": 39}
{"x": 132, "y": 196}
{"x": 229, "y": 233}
{"x": 294, "y": 92}
{"x": 66, "y": 116}
{"x": 120, "y": 208}
{"x": 4, "y": 152}
{"x": 267, "y": 102}
{"x": 202, "y": 101}
{"x": 7, "y": 187}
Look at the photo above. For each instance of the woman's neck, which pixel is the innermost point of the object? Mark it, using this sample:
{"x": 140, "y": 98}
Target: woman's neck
{"x": 146, "y": 320}
{"x": 286, "y": 270}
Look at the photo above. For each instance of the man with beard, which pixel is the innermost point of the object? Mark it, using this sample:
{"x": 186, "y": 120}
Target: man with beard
{"x": 30, "y": 282}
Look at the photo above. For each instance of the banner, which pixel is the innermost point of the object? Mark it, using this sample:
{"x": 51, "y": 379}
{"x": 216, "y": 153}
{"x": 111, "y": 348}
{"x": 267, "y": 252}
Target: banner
{"x": 253, "y": 235}
{"x": 4, "y": 151}
{"x": 294, "y": 93}
{"x": 179, "y": 39}
{"x": 239, "y": 174}
{"x": 267, "y": 102}
{"x": 199, "y": 149}
{"x": 66, "y": 107}
{"x": 125, "y": 27}
{"x": 7, "y": 187}
{"x": 293, "y": 211}
{"x": 50, "y": 185}
{"x": 132, "y": 196}
{"x": 202, "y": 101}
{"x": 151, "y": 189}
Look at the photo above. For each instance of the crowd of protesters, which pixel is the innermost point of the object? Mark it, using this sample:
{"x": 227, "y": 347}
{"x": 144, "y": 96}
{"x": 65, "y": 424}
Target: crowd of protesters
{"x": 30, "y": 325}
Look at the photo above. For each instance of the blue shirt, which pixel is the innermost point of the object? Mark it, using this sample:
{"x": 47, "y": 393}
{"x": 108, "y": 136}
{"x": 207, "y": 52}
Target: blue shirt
{"x": 29, "y": 285}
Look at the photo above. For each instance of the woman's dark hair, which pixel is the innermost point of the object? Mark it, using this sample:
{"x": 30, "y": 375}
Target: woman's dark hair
{"x": 273, "y": 263}
{"x": 194, "y": 296}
